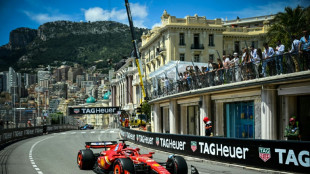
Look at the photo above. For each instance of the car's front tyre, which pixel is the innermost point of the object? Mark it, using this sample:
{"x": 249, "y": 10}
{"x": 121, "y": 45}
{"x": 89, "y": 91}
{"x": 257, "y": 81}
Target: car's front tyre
{"x": 176, "y": 165}
{"x": 123, "y": 165}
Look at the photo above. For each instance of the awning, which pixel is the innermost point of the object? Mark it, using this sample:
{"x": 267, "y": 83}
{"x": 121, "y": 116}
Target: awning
{"x": 172, "y": 68}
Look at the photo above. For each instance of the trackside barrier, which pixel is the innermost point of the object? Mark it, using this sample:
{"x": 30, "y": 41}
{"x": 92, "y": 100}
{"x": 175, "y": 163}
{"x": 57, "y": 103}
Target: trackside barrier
{"x": 8, "y": 136}
{"x": 277, "y": 155}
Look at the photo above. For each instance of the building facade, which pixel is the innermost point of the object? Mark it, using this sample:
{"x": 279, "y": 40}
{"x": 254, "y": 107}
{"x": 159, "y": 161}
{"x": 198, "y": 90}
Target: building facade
{"x": 255, "y": 108}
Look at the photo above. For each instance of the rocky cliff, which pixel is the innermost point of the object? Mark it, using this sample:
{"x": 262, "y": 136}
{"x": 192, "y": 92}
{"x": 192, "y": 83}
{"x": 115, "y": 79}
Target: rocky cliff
{"x": 54, "y": 43}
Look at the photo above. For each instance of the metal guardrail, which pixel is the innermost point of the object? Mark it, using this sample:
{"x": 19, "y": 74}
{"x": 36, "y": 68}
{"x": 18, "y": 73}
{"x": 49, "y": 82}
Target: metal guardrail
{"x": 277, "y": 65}
{"x": 8, "y": 136}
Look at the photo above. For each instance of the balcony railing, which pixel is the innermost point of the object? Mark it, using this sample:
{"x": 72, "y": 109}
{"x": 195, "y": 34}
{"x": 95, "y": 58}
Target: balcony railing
{"x": 197, "y": 46}
{"x": 277, "y": 65}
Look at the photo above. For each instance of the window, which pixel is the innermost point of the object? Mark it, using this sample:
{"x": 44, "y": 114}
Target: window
{"x": 182, "y": 42}
{"x": 196, "y": 58}
{"x": 211, "y": 40}
{"x": 163, "y": 40}
{"x": 237, "y": 46}
{"x": 211, "y": 57}
{"x": 196, "y": 40}
{"x": 240, "y": 119}
{"x": 193, "y": 120}
{"x": 182, "y": 57}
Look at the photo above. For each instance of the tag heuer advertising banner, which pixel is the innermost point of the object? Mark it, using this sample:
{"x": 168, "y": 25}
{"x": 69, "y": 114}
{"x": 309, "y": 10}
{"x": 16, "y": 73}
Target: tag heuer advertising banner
{"x": 94, "y": 110}
{"x": 277, "y": 155}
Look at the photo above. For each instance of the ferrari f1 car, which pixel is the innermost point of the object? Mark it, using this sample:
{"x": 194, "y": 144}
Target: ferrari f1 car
{"x": 119, "y": 158}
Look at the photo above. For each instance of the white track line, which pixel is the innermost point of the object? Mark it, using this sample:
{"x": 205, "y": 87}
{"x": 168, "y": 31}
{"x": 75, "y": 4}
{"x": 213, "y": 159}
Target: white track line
{"x": 30, "y": 156}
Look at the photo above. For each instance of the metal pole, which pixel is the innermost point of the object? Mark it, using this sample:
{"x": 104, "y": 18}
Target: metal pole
{"x": 20, "y": 112}
{"x": 14, "y": 109}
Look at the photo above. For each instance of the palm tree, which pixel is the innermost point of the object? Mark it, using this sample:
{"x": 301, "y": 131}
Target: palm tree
{"x": 288, "y": 23}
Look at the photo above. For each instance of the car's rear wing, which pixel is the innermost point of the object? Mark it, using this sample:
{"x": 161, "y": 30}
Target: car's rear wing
{"x": 100, "y": 144}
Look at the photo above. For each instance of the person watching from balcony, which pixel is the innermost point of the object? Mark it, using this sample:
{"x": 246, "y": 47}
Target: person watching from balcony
{"x": 235, "y": 67}
{"x": 267, "y": 55}
{"x": 245, "y": 64}
{"x": 211, "y": 72}
{"x": 253, "y": 52}
{"x": 256, "y": 61}
{"x": 294, "y": 52}
{"x": 279, "y": 59}
{"x": 304, "y": 50}
{"x": 220, "y": 70}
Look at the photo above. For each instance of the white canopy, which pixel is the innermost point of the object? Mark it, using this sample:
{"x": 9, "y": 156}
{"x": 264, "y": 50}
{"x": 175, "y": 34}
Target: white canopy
{"x": 172, "y": 68}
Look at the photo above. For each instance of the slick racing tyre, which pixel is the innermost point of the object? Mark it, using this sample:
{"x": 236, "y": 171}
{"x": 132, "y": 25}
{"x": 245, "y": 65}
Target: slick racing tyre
{"x": 176, "y": 165}
{"x": 123, "y": 165}
{"x": 86, "y": 159}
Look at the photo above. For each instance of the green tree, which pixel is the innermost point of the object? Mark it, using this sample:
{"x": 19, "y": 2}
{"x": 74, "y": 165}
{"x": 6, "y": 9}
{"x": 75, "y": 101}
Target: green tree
{"x": 146, "y": 109}
{"x": 56, "y": 118}
{"x": 288, "y": 23}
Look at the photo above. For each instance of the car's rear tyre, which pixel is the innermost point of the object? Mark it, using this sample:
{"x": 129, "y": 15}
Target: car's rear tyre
{"x": 123, "y": 164}
{"x": 86, "y": 159}
{"x": 176, "y": 165}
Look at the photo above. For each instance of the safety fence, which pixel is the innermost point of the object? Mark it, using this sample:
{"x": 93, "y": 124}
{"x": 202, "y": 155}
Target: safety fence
{"x": 8, "y": 136}
{"x": 194, "y": 78}
{"x": 270, "y": 154}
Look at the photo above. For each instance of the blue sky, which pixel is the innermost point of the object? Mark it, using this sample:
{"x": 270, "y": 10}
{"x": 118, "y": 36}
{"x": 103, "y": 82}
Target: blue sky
{"x": 146, "y": 13}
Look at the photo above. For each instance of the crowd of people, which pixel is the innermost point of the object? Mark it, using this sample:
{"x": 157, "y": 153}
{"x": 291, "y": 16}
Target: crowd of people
{"x": 252, "y": 63}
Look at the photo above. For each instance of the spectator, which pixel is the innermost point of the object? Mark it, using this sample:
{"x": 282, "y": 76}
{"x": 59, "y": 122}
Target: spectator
{"x": 220, "y": 70}
{"x": 279, "y": 52}
{"x": 211, "y": 73}
{"x": 189, "y": 80}
{"x": 256, "y": 61}
{"x": 294, "y": 52}
{"x": 304, "y": 49}
{"x": 235, "y": 67}
{"x": 253, "y": 52}
{"x": 246, "y": 66}
{"x": 29, "y": 123}
{"x": 180, "y": 82}
{"x": 268, "y": 53}
{"x": 166, "y": 84}
{"x": 292, "y": 130}
{"x": 208, "y": 127}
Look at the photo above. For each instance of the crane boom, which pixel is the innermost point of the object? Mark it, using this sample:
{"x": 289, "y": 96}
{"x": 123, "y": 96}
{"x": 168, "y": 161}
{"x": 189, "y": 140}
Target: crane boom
{"x": 136, "y": 51}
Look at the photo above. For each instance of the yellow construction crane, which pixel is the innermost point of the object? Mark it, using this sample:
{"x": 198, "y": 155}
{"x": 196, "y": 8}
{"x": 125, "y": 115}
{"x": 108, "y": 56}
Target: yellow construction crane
{"x": 136, "y": 51}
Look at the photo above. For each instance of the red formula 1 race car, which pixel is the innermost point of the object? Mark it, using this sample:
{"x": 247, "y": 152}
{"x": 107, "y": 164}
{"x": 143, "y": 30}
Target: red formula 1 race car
{"x": 119, "y": 158}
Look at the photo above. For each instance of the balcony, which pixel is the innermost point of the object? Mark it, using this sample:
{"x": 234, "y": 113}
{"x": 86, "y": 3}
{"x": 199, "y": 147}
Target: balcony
{"x": 247, "y": 74}
{"x": 197, "y": 46}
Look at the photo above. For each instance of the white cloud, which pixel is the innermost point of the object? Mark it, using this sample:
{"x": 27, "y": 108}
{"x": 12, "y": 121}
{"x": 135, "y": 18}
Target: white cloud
{"x": 157, "y": 24}
{"x": 138, "y": 10}
{"x": 139, "y": 23}
{"x": 44, "y": 17}
{"x": 139, "y": 14}
{"x": 96, "y": 14}
{"x": 272, "y": 7}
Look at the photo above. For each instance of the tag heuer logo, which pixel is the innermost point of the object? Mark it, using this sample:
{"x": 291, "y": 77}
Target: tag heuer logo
{"x": 264, "y": 153}
{"x": 76, "y": 111}
{"x": 157, "y": 141}
{"x": 193, "y": 146}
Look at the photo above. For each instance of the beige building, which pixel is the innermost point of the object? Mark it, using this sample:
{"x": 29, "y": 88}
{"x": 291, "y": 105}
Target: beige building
{"x": 257, "y": 108}
{"x": 198, "y": 39}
